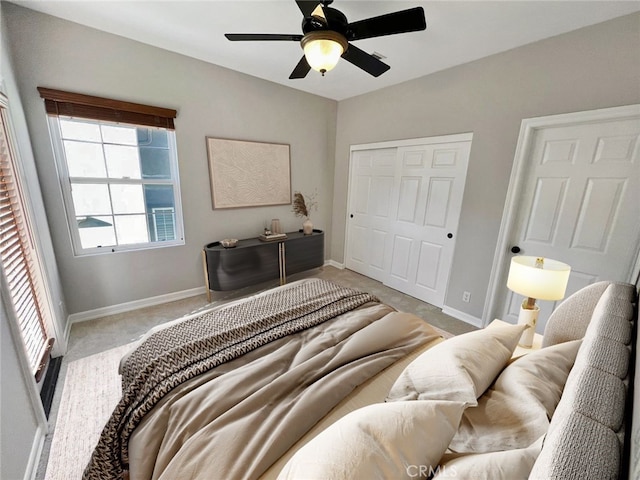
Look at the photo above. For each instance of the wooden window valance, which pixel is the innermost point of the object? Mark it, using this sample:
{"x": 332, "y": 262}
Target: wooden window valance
{"x": 60, "y": 103}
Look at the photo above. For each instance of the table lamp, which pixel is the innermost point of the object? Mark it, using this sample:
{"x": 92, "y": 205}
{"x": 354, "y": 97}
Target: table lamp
{"x": 536, "y": 278}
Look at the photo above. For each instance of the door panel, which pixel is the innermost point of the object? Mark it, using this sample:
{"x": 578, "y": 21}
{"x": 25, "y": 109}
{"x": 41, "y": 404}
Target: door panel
{"x": 401, "y": 259}
{"x": 362, "y": 189}
{"x": 546, "y": 205}
{"x": 596, "y": 218}
{"x": 428, "y": 266}
{"x": 380, "y": 198}
{"x": 580, "y": 203}
{"x": 438, "y": 202}
{"x": 408, "y": 202}
{"x": 378, "y": 241}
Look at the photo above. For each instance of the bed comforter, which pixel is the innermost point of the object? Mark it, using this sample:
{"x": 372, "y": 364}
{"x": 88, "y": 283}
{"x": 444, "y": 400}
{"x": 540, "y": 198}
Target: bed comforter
{"x": 243, "y": 383}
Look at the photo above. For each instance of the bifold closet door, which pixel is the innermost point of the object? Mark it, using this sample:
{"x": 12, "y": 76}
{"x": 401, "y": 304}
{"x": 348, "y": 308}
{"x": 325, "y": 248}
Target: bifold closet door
{"x": 404, "y": 206}
{"x": 371, "y": 193}
{"x": 429, "y": 187}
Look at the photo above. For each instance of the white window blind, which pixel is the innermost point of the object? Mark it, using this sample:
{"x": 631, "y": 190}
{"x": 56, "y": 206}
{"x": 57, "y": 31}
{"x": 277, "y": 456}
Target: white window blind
{"x": 17, "y": 257}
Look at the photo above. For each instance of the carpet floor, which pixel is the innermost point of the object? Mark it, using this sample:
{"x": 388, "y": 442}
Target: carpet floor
{"x": 90, "y": 393}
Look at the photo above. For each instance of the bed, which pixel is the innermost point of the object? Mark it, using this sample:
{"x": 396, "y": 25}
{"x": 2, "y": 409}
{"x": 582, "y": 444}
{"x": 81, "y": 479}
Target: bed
{"x": 234, "y": 391}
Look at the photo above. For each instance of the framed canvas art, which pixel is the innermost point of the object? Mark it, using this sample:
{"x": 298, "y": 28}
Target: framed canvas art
{"x": 248, "y": 174}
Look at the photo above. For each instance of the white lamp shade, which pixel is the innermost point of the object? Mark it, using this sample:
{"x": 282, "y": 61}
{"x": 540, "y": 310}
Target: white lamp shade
{"x": 546, "y": 283}
{"x": 322, "y": 54}
{"x": 323, "y": 48}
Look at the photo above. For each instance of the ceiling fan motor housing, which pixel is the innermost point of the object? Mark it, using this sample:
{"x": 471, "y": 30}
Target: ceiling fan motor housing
{"x": 333, "y": 20}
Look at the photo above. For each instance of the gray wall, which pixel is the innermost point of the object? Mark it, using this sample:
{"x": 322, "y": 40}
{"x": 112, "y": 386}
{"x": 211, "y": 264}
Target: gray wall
{"x": 594, "y": 67}
{"x": 211, "y": 101}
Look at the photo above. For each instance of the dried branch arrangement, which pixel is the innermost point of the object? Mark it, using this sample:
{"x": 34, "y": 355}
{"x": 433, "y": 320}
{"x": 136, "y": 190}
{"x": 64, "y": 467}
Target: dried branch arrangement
{"x": 300, "y": 207}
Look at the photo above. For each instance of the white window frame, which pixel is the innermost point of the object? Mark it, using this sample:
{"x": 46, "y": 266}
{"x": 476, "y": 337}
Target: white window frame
{"x": 66, "y": 186}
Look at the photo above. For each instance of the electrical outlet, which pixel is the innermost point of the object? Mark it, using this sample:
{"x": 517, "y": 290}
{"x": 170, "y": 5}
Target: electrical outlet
{"x": 466, "y": 297}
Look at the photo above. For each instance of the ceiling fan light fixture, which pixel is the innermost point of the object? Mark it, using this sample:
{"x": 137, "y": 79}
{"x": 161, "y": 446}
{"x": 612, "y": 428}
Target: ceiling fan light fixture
{"x": 323, "y": 49}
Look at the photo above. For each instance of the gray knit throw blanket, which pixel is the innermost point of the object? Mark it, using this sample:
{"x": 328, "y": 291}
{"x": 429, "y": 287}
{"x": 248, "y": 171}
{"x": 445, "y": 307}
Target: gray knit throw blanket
{"x": 183, "y": 351}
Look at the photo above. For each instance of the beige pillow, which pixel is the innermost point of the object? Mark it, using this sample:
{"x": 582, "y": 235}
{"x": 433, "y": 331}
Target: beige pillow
{"x": 385, "y": 440}
{"x": 506, "y": 465}
{"x": 516, "y": 410}
{"x": 460, "y": 369}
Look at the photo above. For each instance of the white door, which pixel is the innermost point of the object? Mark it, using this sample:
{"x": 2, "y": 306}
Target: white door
{"x": 403, "y": 213}
{"x": 371, "y": 196}
{"x": 580, "y": 204}
{"x": 429, "y": 184}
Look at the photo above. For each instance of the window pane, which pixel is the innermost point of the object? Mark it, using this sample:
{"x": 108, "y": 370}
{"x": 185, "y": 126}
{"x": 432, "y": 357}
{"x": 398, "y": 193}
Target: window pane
{"x": 154, "y": 153}
{"x": 85, "y": 159}
{"x": 96, "y": 231}
{"x": 118, "y": 134}
{"x": 122, "y": 162}
{"x": 127, "y": 198}
{"x": 151, "y": 137}
{"x": 155, "y": 163}
{"x": 131, "y": 229}
{"x": 78, "y": 130}
{"x": 159, "y": 200}
{"x": 90, "y": 199}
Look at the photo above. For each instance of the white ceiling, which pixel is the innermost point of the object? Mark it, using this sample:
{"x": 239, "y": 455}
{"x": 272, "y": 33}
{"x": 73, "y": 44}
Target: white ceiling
{"x": 457, "y": 32}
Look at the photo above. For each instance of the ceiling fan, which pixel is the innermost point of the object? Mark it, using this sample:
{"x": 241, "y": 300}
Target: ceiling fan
{"x": 327, "y": 36}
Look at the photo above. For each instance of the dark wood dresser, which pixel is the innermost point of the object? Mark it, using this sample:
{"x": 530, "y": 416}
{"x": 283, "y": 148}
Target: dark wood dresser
{"x": 253, "y": 261}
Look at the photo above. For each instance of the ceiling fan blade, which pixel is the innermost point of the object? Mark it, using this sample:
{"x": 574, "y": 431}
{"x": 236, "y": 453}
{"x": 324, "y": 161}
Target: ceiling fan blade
{"x": 301, "y": 70}
{"x": 307, "y": 7}
{"x": 366, "y": 62}
{"x": 239, "y": 37}
{"x": 411, "y": 20}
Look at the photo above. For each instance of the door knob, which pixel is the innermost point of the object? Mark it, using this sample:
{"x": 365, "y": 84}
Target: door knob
{"x": 515, "y": 249}
{"x": 449, "y": 235}
{"x": 351, "y": 215}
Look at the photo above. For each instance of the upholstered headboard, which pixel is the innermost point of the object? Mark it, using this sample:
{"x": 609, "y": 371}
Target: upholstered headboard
{"x": 594, "y": 432}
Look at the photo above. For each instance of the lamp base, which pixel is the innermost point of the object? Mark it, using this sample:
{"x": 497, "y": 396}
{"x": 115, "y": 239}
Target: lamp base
{"x": 528, "y": 317}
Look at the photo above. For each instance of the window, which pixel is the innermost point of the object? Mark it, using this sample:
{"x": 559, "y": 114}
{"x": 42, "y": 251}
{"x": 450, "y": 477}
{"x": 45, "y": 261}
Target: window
{"x": 119, "y": 172}
{"x": 21, "y": 278}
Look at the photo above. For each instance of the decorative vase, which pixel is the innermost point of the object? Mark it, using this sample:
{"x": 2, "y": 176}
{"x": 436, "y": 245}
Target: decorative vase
{"x": 307, "y": 227}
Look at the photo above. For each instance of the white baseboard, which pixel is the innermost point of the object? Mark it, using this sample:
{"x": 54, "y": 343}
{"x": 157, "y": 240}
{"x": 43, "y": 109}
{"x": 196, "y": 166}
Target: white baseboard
{"x": 67, "y": 334}
{"x": 36, "y": 451}
{"x": 134, "y": 305}
{"x": 147, "y": 302}
{"x": 465, "y": 317}
{"x": 333, "y": 263}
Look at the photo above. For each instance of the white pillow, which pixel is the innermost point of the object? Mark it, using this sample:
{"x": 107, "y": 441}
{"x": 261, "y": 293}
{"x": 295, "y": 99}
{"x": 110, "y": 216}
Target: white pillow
{"x": 385, "y": 440}
{"x": 516, "y": 410}
{"x": 460, "y": 368}
{"x": 506, "y": 465}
